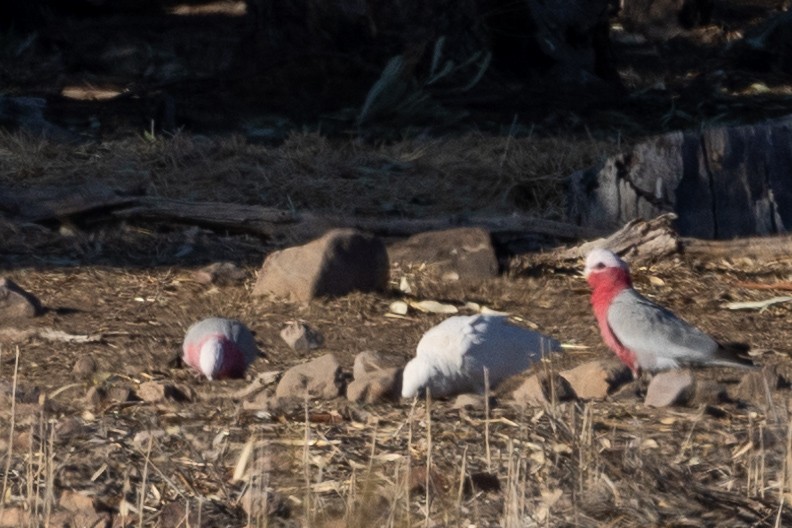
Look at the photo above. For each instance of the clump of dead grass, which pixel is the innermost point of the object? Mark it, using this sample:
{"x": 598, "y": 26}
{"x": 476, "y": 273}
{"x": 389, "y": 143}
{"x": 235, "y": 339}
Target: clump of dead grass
{"x": 409, "y": 178}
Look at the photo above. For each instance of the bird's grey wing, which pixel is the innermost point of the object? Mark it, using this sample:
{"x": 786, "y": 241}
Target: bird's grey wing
{"x": 244, "y": 339}
{"x": 658, "y": 337}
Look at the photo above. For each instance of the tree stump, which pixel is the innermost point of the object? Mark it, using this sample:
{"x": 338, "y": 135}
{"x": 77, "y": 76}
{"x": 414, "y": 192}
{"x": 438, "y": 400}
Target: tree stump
{"x": 722, "y": 183}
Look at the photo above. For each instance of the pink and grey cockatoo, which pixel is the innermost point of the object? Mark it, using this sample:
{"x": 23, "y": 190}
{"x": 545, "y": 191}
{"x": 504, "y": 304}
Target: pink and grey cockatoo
{"x": 643, "y": 335}
{"x": 219, "y": 348}
{"x": 451, "y": 357}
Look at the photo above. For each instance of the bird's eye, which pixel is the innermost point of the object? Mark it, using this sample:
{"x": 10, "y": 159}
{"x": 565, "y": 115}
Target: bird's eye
{"x": 600, "y": 265}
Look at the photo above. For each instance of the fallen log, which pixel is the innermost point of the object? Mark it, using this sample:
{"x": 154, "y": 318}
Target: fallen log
{"x": 38, "y": 204}
{"x": 638, "y": 240}
{"x": 247, "y": 218}
{"x": 304, "y": 226}
{"x": 641, "y": 241}
{"x": 759, "y": 248}
{"x": 56, "y": 203}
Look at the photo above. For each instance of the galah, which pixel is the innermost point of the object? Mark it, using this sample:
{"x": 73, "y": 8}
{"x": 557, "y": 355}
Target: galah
{"x": 219, "y": 348}
{"x": 644, "y": 335}
{"x": 451, "y": 357}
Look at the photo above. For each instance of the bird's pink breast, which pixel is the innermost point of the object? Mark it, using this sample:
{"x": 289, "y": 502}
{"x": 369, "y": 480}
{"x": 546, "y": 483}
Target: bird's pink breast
{"x": 605, "y": 286}
{"x": 232, "y": 362}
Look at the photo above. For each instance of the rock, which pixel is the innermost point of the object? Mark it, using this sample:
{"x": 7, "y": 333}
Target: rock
{"x": 75, "y": 501}
{"x": 13, "y": 518}
{"x": 220, "y": 273}
{"x": 300, "y": 337}
{"x": 596, "y": 379}
{"x": 84, "y": 367}
{"x": 89, "y": 518}
{"x": 320, "y": 378}
{"x": 384, "y": 384}
{"x": 670, "y": 387}
{"x": 469, "y": 401}
{"x": 15, "y": 302}
{"x": 115, "y": 394}
{"x": 374, "y": 379}
{"x": 464, "y": 253}
{"x": 722, "y": 182}
{"x": 540, "y": 389}
{"x": 368, "y": 362}
{"x": 157, "y": 391}
{"x": 341, "y": 261}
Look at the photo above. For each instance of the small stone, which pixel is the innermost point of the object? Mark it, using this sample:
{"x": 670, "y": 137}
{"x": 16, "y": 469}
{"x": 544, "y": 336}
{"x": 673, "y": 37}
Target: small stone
{"x": 320, "y": 378}
{"x": 17, "y": 303}
{"x": 13, "y": 518}
{"x": 380, "y": 385}
{"x": 399, "y": 307}
{"x": 368, "y": 362}
{"x": 300, "y": 337}
{"x": 157, "y": 391}
{"x": 670, "y": 387}
{"x": 596, "y": 379}
{"x": 84, "y": 367}
{"x": 220, "y": 273}
{"x": 469, "y": 401}
{"x": 119, "y": 394}
{"x": 539, "y": 389}
{"x": 151, "y": 391}
{"x": 75, "y": 501}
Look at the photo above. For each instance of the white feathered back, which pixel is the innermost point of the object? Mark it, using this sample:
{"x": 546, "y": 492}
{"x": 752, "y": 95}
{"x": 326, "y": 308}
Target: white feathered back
{"x": 451, "y": 357}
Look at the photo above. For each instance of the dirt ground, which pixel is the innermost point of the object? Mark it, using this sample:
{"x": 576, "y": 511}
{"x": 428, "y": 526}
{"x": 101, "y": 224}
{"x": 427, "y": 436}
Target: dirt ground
{"x": 124, "y": 292}
{"x": 565, "y": 464}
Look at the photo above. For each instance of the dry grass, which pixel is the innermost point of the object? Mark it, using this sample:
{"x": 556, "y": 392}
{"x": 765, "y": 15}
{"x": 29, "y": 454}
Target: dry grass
{"x": 417, "y": 464}
{"x": 610, "y": 463}
{"x": 410, "y": 178}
